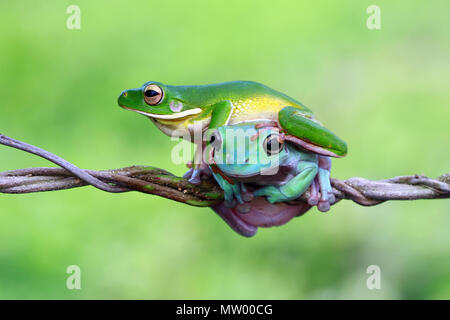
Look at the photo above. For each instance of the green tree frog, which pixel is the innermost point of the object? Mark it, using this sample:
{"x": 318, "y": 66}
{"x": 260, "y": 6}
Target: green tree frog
{"x": 172, "y": 108}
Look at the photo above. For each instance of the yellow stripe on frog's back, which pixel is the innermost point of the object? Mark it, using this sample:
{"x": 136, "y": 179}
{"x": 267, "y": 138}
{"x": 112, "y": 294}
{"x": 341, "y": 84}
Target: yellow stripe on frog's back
{"x": 259, "y": 108}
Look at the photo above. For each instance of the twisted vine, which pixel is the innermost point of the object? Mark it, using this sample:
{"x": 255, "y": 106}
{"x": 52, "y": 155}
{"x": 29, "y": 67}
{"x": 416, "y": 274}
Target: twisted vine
{"x": 159, "y": 182}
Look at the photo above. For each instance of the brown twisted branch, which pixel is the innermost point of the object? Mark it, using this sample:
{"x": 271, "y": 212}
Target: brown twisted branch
{"x": 162, "y": 183}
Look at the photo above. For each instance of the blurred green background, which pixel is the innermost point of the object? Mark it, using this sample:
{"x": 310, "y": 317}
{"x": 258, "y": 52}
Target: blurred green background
{"x": 386, "y": 92}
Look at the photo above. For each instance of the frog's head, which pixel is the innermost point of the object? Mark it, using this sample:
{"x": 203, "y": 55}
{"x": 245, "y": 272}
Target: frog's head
{"x": 157, "y": 101}
{"x": 243, "y": 151}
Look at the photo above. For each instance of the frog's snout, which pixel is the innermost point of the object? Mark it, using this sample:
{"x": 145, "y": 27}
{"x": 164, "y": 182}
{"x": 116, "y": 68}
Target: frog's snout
{"x": 130, "y": 98}
{"x": 122, "y": 97}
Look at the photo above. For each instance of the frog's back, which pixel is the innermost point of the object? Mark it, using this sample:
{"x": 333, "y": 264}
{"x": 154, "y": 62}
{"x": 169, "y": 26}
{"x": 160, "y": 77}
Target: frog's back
{"x": 251, "y": 100}
{"x": 256, "y": 98}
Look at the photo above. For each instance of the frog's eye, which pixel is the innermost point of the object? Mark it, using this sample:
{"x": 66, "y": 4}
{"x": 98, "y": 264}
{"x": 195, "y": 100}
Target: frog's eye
{"x": 153, "y": 94}
{"x": 215, "y": 140}
{"x": 272, "y": 145}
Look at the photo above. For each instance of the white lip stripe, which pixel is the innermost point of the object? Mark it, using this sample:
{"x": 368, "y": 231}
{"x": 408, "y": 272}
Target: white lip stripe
{"x": 169, "y": 116}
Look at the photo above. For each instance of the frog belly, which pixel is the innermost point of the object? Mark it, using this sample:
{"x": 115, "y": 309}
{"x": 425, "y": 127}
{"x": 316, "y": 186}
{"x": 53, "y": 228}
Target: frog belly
{"x": 261, "y": 117}
{"x": 185, "y": 128}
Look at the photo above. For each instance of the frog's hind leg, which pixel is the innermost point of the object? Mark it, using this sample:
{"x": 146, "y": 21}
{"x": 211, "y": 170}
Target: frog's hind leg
{"x": 294, "y": 188}
{"x": 301, "y": 129}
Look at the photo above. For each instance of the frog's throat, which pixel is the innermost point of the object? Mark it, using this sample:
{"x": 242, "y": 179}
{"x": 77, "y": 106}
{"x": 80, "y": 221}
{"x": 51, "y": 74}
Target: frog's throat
{"x": 215, "y": 168}
{"x": 177, "y": 115}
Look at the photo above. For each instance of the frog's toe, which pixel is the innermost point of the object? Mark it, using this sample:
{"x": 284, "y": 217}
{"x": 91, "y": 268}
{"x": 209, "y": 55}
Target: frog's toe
{"x": 259, "y": 193}
{"x": 236, "y": 192}
{"x": 243, "y": 208}
{"x": 327, "y": 197}
{"x": 313, "y": 194}
{"x": 323, "y": 206}
{"x": 230, "y": 203}
{"x": 188, "y": 173}
{"x": 331, "y": 198}
{"x": 246, "y": 195}
{"x": 272, "y": 199}
{"x": 194, "y": 181}
{"x": 325, "y": 201}
{"x": 321, "y": 195}
{"x": 195, "y": 177}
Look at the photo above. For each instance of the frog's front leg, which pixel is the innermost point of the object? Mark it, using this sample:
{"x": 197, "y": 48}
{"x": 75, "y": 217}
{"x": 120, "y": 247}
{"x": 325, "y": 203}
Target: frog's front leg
{"x": 326, "y": 192}
{"x": 294, "y": 188}
{"x": 231, "y": 188}
{"x": 198, "y": 169}
{"x": 321, "y": 191}
{"x": 220, "y": 115}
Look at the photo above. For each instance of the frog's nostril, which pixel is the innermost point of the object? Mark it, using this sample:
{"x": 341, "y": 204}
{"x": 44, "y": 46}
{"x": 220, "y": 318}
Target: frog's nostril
{"x": 124, "y": 93}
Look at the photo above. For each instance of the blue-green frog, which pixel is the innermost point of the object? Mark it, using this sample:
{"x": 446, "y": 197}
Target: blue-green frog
{"x": 261, "y": 170}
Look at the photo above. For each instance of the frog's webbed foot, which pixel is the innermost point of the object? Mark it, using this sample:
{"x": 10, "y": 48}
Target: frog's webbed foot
{"x": 197, "y": 173}
{"x": 321, "y": 193}
{"x": 237, "y": 196}
{"x": 198, "y": 169}
{"x": 235, "y": 193}
{"x": 246, "y": 197}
